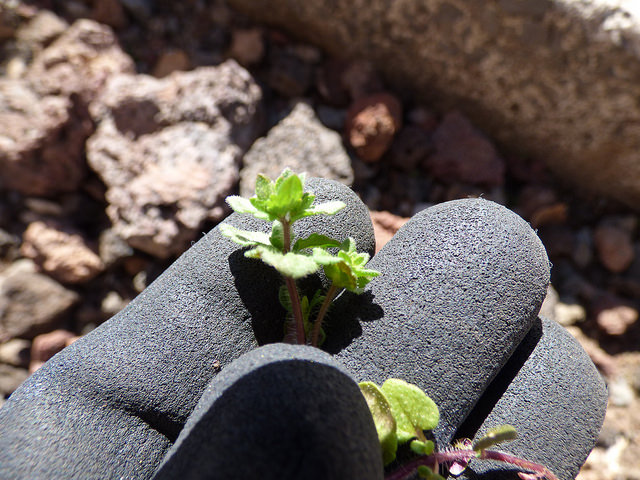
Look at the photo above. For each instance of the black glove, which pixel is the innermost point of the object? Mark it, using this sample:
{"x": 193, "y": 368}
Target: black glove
{"x": 454, "y": 312}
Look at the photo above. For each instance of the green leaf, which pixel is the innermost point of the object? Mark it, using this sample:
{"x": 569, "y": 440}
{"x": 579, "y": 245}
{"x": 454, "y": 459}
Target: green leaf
{"x": 382, "y": 418}
{"x": 244, "y": 205}
{"x": 412, "y": 409}
{"x": 327, "y": 208}
{"x": 277, "y": 235}
{"x": 264, "y": 187}
{"x": 426, "y": 472}
{"x": 293, "y": 265}
{"x": 244, "y": 237}
{"x": 285, "y": 298}
{"x": 420, "y": 447}
{"x": 315, "y": 240}
{"x": 494, "y": 436}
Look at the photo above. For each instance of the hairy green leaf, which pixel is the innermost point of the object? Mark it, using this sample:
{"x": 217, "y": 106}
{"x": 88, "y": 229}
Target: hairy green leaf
{"x": 383, "y": 420}
{"x": 420, "y": 447}
{"x": 244, "y": 205}
{"x": 293, "y": 265}
{"x": 412, "y": 409}
{"x": 244, "y": 237}
{"x": 277, "y": 235}
{"x": 315, "y": 240}
{"x": 327, "y": 208}
{"x": 264, "y": 187}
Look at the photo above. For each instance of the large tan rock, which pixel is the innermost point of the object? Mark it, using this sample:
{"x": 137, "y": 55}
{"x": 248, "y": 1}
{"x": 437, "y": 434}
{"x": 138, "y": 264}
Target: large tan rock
{"x": 555, "y": 79}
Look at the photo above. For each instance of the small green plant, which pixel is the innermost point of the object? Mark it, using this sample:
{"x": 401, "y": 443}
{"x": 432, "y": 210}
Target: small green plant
{"x": 402, "y": 413}
{"x": 283, "y": 202}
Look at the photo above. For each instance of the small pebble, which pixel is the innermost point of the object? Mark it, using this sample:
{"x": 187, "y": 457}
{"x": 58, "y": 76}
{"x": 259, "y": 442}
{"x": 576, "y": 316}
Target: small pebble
{"x": 617, "y": 319}
{"x": 620, "y": 392}
{"x": 614, "y": 246}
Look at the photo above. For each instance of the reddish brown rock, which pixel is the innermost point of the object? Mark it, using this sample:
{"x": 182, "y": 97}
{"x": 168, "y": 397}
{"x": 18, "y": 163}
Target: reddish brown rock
{"x": 79, "y": 62}
{"x": 62, "y": 253}
{"x": 109, "y": 12}
{"x": 385, "y": 226}
{"x": 47, "y": 345}
{"x": 372, "y": 123}
{"x": 247, "y": 46}
{"x": 614, "y": 246}
{"x": 171, "y": 61}
{"x": 464, "y": 154}
{"x": 31, "y": 303}
{"x": 41, "y": 143}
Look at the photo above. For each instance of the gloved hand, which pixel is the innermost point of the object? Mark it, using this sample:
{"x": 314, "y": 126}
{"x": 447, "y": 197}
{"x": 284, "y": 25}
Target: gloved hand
{"x": 455, "y": 311}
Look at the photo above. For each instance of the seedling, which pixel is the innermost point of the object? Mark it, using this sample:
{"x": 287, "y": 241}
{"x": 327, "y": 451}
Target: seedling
{"x": 402, "y": 413}
{"x": 282, "y": 203}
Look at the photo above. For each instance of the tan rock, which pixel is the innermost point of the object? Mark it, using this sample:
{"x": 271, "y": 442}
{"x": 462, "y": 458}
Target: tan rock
{"x": 555, "y": 79}
{"x": 47, "y": 345}
{"x": 385, "y": 226}
{"x": 61, "y": 253}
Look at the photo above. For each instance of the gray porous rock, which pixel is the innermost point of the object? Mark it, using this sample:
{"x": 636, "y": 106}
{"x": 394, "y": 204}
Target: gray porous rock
{"x": 169, "y": 151}
{"x": 111, "y": 404}
{"x": 301, "y": 143}
{"x": 554, "y": 79}
{"x": 278, "y": 412}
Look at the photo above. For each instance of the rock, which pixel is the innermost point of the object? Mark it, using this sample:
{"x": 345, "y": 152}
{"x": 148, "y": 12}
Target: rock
{"x": 30, "y": 303}
{"x": 385, "y": 226}
{"x": 326, "y": 433}
{"x": 616, "y": 319}
{"x": 289, "y": 75}
{"x": 301, "y": 143}
{"x": 569, "y": 314}
{"x": 68, "y": 419}
{"x": 620, "y": 392}
{"x": 112, "y": 248}
{"x": 61, "y": 252}
{"x": 168, "y": 151}
{"x": 79, "y": 62}
{"x": 464, "y": 154}
{"x": 605, "y": 362}
{"x": 110, "y": 12}
{"x": 44, "y": 27}
{"x": 410, "y": 148}
{"x": 504, "y": 67}
{"x": 614, "y": 247}
{"x": 372, "y": 123}
{"x": 247, "y": 46}
{"x": 42, "y": 141}
{"x": 10, "y": 378}
{"x": 46, "y": 345}
{"x": 171, "y": 61}
{"x": 15, "y": 352}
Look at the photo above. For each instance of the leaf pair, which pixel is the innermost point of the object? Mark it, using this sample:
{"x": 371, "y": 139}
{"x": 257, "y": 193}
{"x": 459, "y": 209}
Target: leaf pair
{"x": 284, "y": 200}
{"x": 401, "y": 412}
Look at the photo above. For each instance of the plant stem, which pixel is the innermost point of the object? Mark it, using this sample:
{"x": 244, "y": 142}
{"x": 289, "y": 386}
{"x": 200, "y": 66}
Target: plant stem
{"x": 540, "y": 470}
{"x": 297, "y": 309}
{"x": 331, "y": 293}
{"x": 463, "y": 456}
{"x": 291, "y": 287}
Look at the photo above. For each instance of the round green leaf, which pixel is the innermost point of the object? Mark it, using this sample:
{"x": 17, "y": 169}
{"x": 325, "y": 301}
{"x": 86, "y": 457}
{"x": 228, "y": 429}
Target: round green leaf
{"x": 412, "y": 409}
{"x": 383, "y": 419}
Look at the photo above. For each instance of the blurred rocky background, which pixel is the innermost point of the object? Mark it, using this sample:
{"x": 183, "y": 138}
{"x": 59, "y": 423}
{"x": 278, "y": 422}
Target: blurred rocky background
{"x": 125, "y": 123}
